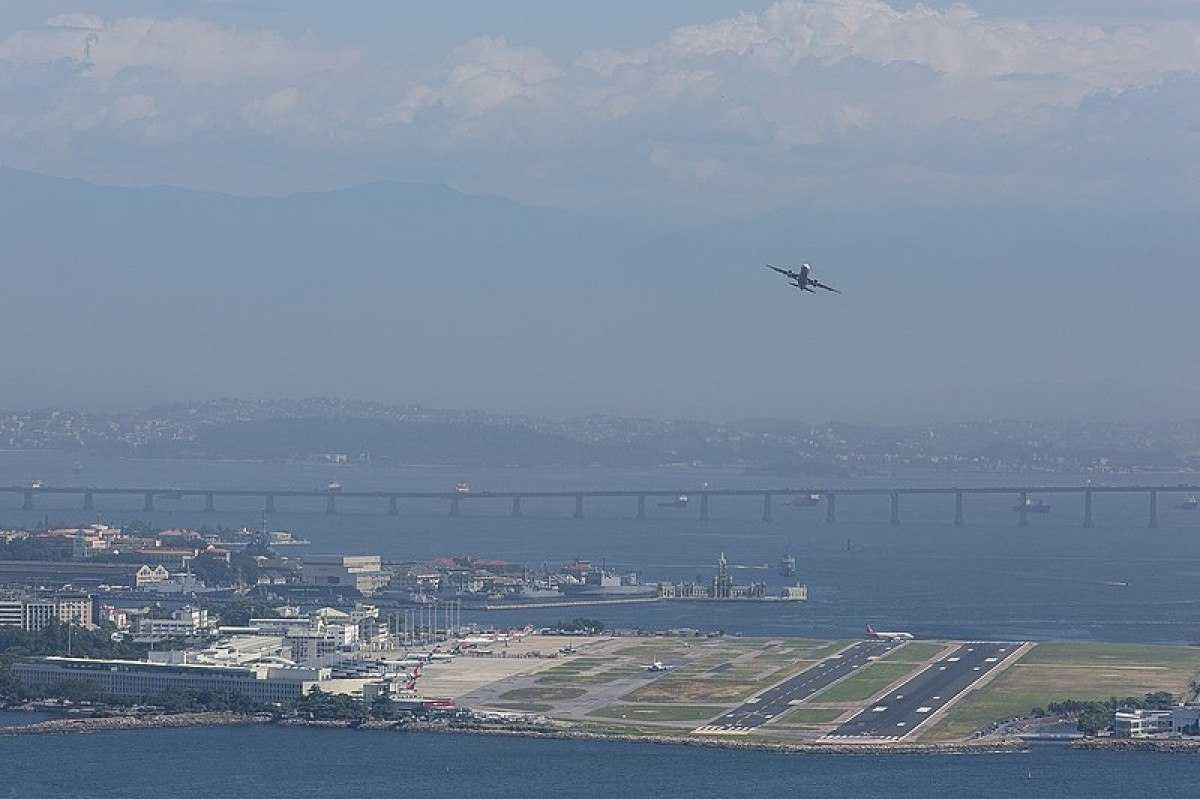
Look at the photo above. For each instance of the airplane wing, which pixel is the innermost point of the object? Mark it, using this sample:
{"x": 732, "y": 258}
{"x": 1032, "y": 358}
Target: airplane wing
{"x": 787, "y": 272}
{"x": 821, "y": 285}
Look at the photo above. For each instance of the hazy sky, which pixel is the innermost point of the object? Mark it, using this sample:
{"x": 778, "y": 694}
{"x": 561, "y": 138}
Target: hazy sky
{"x": 698, "y": 120}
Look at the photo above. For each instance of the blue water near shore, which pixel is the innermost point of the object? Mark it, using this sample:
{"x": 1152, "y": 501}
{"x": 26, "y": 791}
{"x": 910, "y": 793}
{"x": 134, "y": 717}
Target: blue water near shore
{"x": 268, "y": 763}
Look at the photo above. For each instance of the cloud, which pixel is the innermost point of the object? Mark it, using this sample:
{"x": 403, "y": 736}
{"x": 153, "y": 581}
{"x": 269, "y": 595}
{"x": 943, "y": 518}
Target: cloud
{"x": 813, "y": 96}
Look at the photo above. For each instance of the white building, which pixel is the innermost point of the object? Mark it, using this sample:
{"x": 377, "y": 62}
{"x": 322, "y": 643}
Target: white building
{"x": 1141, "y": 723}
{"x": 182, "y": 622}
{"x": 37, "y": 613}
{"x": 136, "y": 678}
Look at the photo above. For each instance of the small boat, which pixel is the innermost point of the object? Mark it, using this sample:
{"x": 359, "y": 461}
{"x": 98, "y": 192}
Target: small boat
{"x": 36, "y": 484}
{"x": 680, "y": 501}
{"x": 1191, "y": 503}
{"x": 333, "y": 487}
{"x": 462, "y": 488}
{"x": 1032, "y": 506}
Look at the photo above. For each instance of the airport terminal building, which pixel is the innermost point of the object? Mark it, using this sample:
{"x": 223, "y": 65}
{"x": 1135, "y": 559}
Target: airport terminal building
{"x": 139, "y": 679}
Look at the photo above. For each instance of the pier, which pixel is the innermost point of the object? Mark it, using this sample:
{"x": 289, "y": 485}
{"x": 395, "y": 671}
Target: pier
{"x": 90, "y": 498}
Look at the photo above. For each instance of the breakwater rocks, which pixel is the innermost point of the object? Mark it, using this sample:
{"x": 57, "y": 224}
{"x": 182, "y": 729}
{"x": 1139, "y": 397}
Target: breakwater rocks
{"x": 142, "y": 722}
{"x": 1190, "y": 745}
{"x": 526, "y": 730}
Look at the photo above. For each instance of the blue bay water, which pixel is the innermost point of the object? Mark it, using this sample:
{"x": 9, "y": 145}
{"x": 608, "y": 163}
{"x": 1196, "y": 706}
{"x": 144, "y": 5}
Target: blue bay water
{"x": 269, "y": 763}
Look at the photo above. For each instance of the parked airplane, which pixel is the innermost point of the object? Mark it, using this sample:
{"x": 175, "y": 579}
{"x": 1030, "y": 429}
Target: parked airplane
{"x": 658, "y": 665}
{"x": 886, "y": 636}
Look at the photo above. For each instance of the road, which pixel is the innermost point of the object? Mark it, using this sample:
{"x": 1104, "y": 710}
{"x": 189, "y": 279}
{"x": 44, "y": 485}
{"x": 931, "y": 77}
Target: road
{"x": 901, "y": 711}
{"x": 774, "y": 701}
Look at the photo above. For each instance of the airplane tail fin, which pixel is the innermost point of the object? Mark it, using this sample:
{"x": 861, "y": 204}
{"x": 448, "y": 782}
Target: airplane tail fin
{"x": 870, "y": 630}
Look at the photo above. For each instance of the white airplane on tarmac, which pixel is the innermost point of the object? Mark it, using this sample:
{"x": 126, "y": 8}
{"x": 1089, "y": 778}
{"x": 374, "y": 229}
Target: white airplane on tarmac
{"x": 885, "y": 636}
{"x": 658, "y": 665}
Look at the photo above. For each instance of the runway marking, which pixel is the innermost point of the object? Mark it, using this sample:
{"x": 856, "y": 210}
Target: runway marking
{"x": 717, "y": 729}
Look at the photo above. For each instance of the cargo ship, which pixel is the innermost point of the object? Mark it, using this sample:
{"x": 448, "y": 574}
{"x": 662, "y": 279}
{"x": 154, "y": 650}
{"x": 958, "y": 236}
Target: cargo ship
{"x": 603, "y": 584}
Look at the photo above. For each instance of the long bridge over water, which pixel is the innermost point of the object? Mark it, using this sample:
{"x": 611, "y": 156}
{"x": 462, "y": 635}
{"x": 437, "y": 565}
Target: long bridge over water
{"x": 827, "y": 497}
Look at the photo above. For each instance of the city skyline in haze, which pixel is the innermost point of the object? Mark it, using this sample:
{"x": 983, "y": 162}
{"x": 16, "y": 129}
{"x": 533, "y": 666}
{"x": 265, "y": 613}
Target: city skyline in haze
{"x": 559, "y": 212}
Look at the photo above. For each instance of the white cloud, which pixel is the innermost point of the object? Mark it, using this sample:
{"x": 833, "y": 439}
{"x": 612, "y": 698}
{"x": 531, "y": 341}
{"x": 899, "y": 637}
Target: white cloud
{"x": 816, "y": 95}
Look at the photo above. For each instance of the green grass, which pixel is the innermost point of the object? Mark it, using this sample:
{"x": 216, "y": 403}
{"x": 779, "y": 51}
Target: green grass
{"x": 548, "y": 694}
{"x": 866, "y": 682}
{"x": 688, "y": 713}
{"x": 576, "y": 679}
{"x": 1057, "y": 671}
{"x": 808, "y": 716}
{"x": 914, "y": 652}
{"x": 1096, "y": 654}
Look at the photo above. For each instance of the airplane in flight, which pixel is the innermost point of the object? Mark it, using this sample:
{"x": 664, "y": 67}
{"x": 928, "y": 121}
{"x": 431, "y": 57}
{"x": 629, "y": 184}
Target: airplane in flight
{"x": 884, "y": 636}
{"x": 802, "y": 279}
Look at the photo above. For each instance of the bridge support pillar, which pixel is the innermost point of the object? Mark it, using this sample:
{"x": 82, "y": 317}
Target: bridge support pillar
{"x": 704, "y": 507}
{"x": 579, "y": 506}
{"x": 641, "y": 511}
{"x": 1153, "y": 523}
{"x": 27, "y": 501}
{"x": 210, "y": 504}
{"x": 1023, "y": 509}
{"x": 331, "y": 504}
{"x": 393, "y": 508}
{"x": 269, "y": 503}
{"x": 831, "y": 508}
{"x": 148, "y": 501}
{"x": 958, "y": 509}
{"x": 516, "y": 507}
{"x": 766, "y": 517}
{"x": 89, "y": 500}
{"x": 1087, "y": 508}
{"x": 454, "y": 508}
{"x": 895, "y": 507}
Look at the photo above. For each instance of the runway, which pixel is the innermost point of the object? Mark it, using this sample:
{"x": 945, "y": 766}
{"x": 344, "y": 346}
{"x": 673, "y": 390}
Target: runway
{"x": 777, "y": 700}
{"x": 903, "y": 710}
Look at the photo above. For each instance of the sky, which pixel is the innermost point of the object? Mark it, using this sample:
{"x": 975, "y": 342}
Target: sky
{"x": 924, "y": 149}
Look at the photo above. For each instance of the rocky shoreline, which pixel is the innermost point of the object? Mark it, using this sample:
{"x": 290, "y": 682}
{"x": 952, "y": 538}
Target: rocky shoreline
{"x": 181, "y": 720}
{"x": 147, "y": 722}
{"x": 1139, "y": 744}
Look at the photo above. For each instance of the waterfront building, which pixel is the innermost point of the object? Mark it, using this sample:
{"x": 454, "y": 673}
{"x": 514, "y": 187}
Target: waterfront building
{"x": 142, "y": 679}
{"x": 1141, "y": 723}
{"x": 722, "y": 582}
{"x": 364, "y": 573}
{"x": 797, "y": 593}
{"x": 1185, "y": 719}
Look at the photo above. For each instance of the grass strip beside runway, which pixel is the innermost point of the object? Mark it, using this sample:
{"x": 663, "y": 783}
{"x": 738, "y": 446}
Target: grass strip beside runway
{"x": 866, "y": 682}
